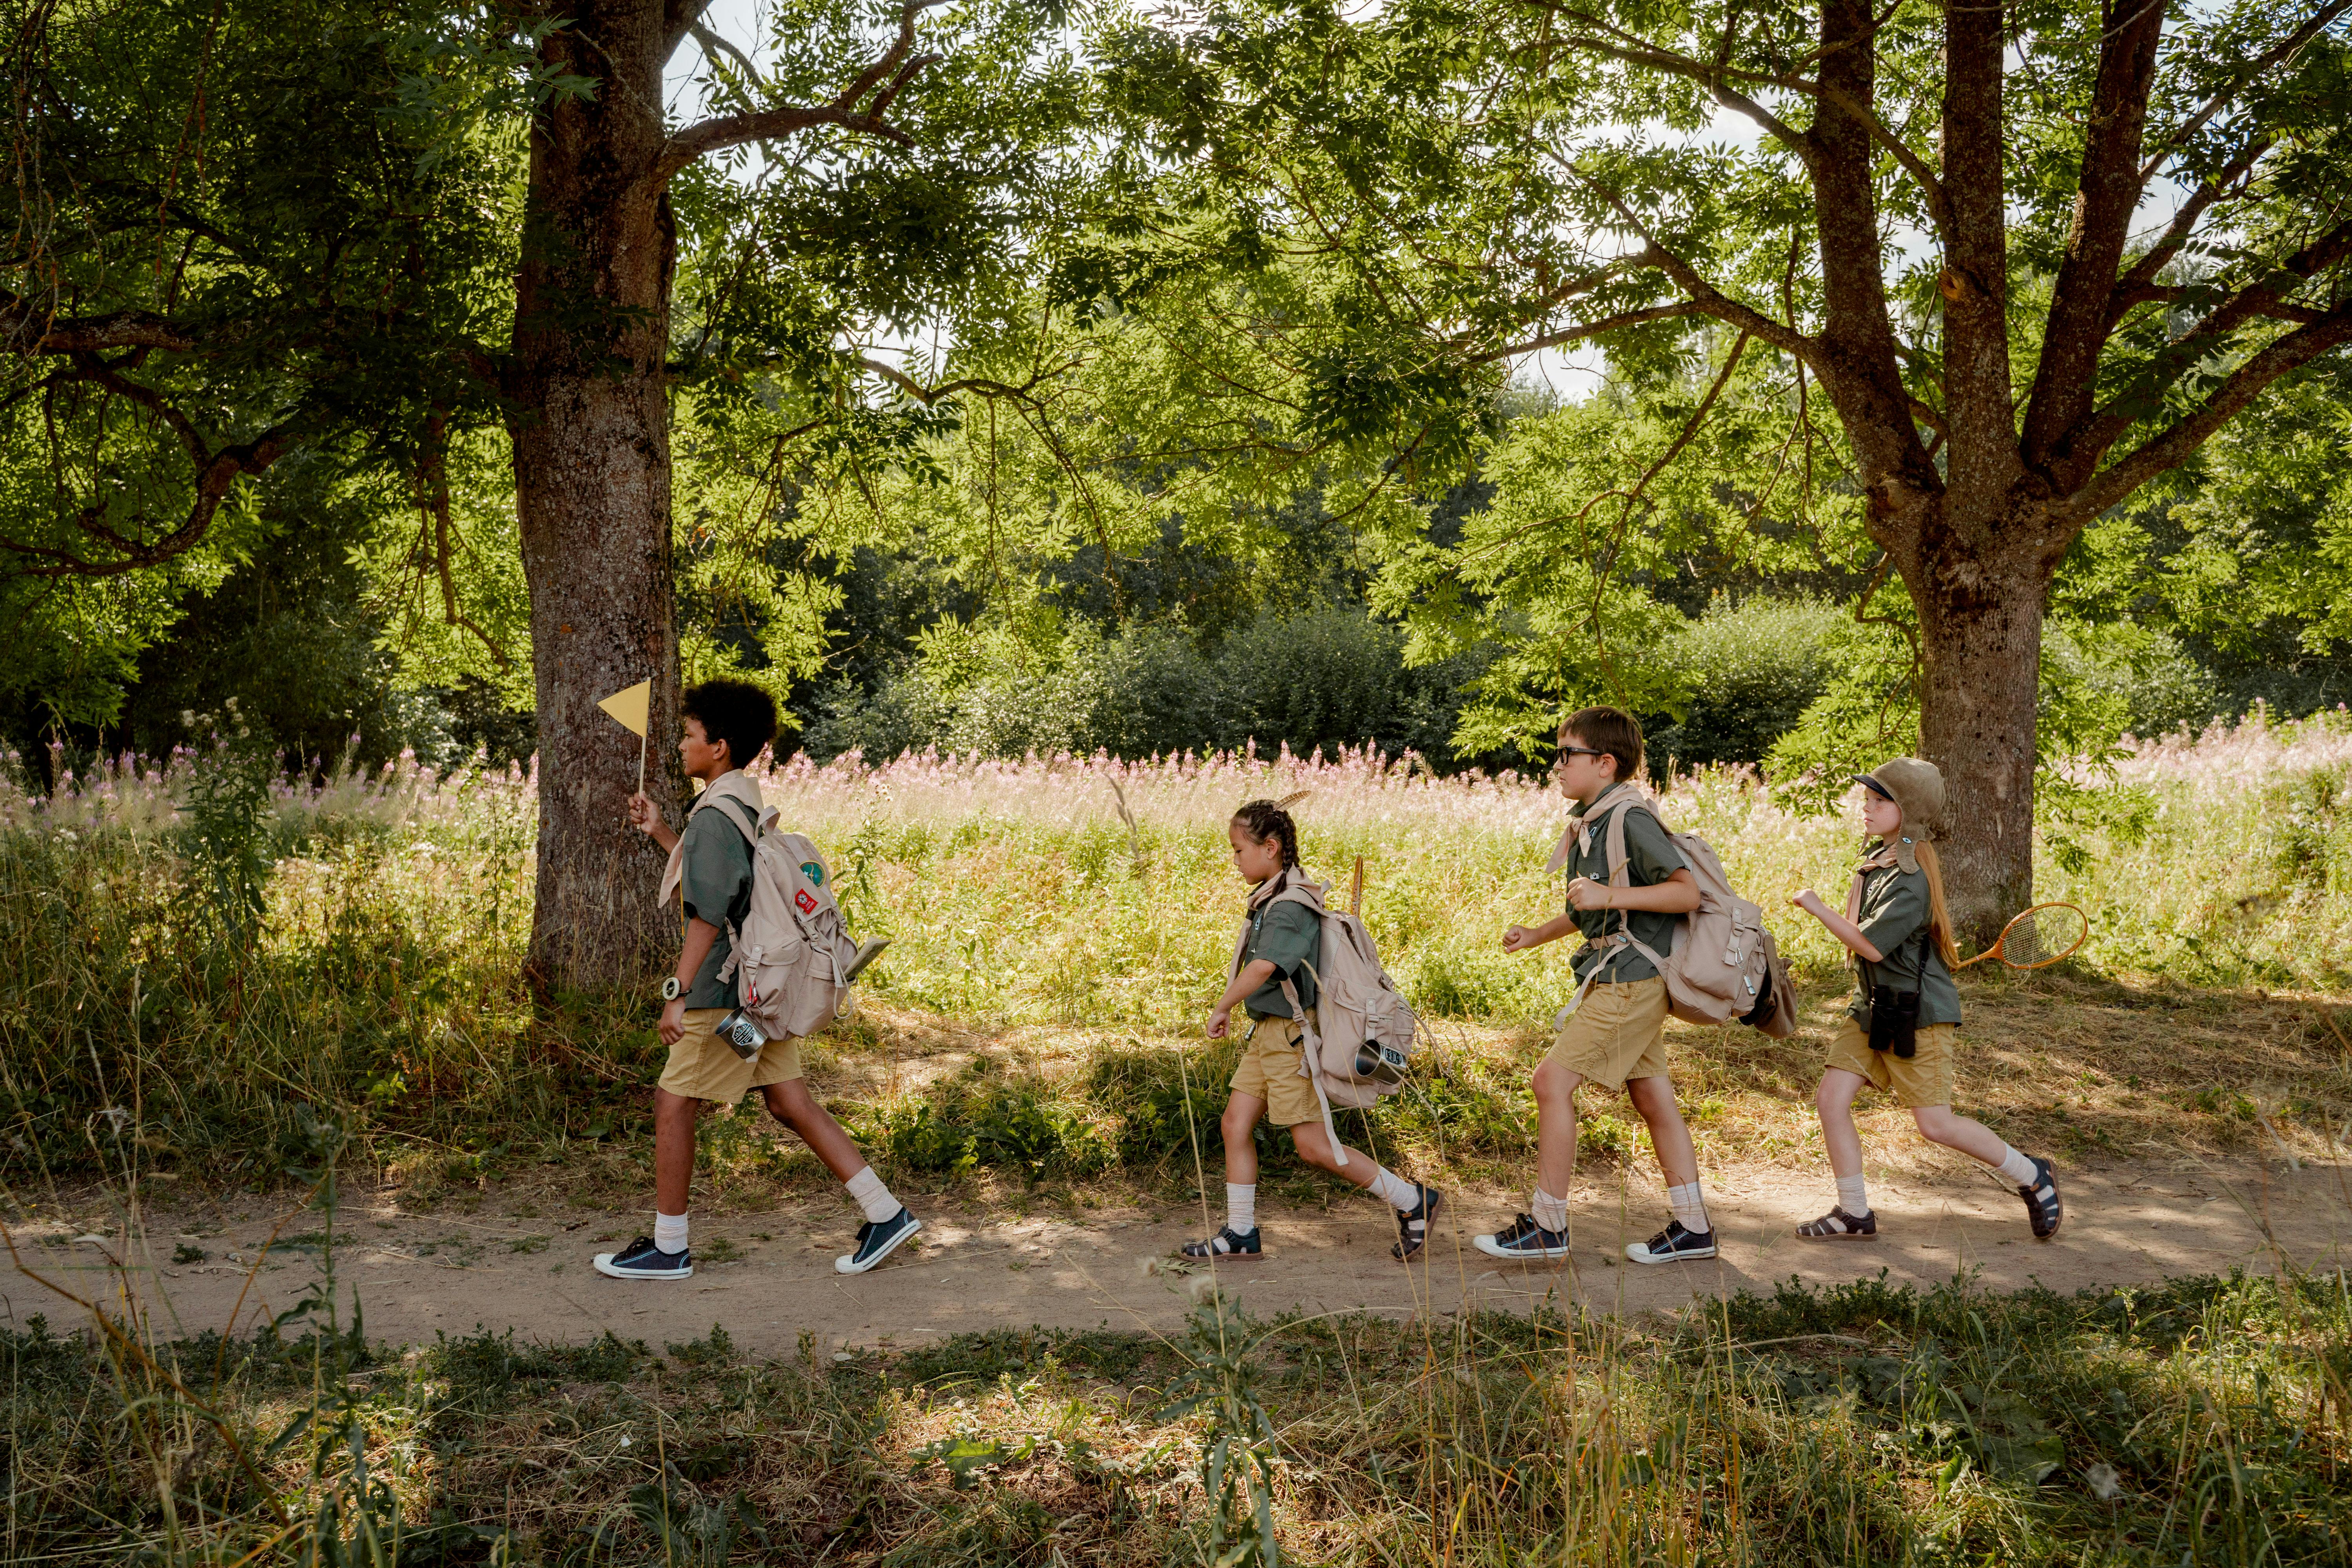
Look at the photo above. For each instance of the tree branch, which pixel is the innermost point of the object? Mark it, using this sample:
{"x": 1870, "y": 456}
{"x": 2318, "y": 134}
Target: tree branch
{"x": 2174, "y": 447}
{"x": 2106, "y": 195}
{"x": 882, "y": 81}
{"x": 2144, "y": 271}
{"x": 1590, "y": 330}
{"x": 2255, "y": 302}
{"x": 2254, "y": 68}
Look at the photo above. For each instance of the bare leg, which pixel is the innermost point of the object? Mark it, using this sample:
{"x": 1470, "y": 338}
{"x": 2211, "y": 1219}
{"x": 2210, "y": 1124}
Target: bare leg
{"x": 1835, "y": 1101}
{"x": 1974, "y": 1139}
{"x": 791, "y": 1103}
{"x": 1315, "y": 1147}
{"x": 1555, "y": 1091}
{"x": 1238, "y": 1122}
{"x": 1655, "y": 1098}
{"x": 674, "y": 1119}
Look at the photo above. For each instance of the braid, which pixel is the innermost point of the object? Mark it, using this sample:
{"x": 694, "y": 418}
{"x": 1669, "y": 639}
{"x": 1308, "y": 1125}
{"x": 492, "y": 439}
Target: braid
{"x": 1265, "y": 819}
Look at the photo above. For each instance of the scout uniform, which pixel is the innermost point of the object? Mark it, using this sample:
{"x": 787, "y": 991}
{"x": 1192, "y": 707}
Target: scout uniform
{"x": 1289, "y": 936}
{"x": 1889, "y": 902}
{"x": 713, "y": 866}
{"x": 1617, "y": 1031}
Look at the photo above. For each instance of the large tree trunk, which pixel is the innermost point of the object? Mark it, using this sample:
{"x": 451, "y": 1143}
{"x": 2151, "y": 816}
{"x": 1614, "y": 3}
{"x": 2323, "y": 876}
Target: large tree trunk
{"x": 1980, "y": 645}
{"x": 593, "y": 485}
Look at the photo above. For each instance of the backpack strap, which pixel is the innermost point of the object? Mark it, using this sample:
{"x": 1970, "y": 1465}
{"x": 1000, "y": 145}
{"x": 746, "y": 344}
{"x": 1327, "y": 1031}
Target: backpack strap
{"x": 1310, "y": 1052}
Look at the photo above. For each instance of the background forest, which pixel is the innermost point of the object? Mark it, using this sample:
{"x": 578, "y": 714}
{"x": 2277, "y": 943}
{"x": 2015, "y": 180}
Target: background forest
{"x": 1054, "y": 465}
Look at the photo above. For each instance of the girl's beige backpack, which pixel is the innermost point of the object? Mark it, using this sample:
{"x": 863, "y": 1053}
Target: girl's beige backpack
{"x": 1358, "y": 1046}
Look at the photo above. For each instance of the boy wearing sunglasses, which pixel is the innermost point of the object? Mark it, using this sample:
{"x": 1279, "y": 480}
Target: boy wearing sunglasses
{"x": 1614, "y": 1034}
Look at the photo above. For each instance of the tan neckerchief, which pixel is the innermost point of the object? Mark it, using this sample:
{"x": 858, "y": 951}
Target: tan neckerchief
{"x": 1899, "y": 855}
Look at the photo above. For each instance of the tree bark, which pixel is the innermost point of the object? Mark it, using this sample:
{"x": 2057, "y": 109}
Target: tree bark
{"x": 1980, "y": 614}
{"x": 592, "y": 489}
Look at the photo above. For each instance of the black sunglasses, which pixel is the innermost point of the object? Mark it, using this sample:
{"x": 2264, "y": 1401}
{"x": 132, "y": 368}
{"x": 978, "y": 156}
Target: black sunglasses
{"x": 1568, "y": 752}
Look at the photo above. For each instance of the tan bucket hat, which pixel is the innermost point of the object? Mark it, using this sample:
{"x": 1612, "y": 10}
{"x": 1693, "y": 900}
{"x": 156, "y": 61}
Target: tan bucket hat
{"x": 1915, "y": 785}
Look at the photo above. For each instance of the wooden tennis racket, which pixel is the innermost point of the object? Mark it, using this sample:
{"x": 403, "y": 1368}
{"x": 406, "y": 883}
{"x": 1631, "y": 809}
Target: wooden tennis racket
{"x": 2038, "y": 938}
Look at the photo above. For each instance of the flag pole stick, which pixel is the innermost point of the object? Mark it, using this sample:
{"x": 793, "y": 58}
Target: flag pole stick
{"x": 641, "y": 756}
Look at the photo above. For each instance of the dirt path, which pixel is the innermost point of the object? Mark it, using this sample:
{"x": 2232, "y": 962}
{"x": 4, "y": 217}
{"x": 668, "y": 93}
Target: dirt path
{"x": 418, "y": 1276}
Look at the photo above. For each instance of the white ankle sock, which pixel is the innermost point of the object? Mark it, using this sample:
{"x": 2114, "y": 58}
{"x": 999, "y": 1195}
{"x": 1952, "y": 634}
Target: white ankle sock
{"x": 866, "y": 1191}
{"x": 1241, "y": 1207}
{"x": 1689, "y": 1207}
{"x": 669, "y": 1231}
{"x": 1853, "y": 1195}
{"x": 1394, "y": 1190}
{"x": 2016, "y": 1167}
{"x": 1548, "y": 1211}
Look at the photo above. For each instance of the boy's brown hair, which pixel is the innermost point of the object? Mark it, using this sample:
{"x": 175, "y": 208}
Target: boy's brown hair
{"x": 1609, "y": 730}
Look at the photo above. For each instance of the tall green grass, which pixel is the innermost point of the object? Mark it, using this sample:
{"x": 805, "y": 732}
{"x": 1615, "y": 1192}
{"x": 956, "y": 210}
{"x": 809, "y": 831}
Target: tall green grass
{"x": 190, "y": 954}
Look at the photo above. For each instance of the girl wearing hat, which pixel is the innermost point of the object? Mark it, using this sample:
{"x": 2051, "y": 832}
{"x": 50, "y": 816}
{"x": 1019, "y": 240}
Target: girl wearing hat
{"x": 1902, "y": 1026}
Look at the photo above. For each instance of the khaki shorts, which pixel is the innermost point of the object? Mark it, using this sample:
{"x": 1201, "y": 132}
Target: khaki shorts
{"x": 1920, "y": 1080}
{"x": 704, "y": 1067}
{"x": 1269, "y": 1070}
{"x": 1617, "y": 1032}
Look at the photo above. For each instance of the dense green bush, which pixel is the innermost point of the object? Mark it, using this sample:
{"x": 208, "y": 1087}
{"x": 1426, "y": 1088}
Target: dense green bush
{"x": 1328, "y": 677}
{"x": 1750, "y": 670}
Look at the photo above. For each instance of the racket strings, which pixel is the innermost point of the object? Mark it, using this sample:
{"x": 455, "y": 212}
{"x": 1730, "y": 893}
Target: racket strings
{"x": 2043, "y": 935}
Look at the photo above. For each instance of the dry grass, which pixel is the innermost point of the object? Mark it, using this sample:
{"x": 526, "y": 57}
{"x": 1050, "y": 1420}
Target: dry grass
{"x": 2202, "y": 1421}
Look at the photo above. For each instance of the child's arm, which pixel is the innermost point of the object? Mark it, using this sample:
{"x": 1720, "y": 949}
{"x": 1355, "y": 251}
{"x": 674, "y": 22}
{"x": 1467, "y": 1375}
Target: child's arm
{"x": 1518, "y": 938}
{"x": 700, "y": 934}
{"x": 1677, "y": 895}
{"x": 646, "y": 819}
{"x": 1844, "y": 930}
{"x": 1252, "y": 975}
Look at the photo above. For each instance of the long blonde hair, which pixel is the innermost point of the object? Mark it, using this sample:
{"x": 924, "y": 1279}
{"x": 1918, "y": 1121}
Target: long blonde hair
{"x": 1939, "y": 918}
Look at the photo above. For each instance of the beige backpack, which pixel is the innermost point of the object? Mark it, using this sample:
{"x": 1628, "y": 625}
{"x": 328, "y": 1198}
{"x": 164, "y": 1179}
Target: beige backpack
{"x": 793, "y": 950}
{"x": 1358, "y": 1046}
{"x": 1724, "y": 963}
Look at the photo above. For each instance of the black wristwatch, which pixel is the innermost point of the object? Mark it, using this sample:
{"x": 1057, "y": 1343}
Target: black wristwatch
{"x": 670, "y": 989}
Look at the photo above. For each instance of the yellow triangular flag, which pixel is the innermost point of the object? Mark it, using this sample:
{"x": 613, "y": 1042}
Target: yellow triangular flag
{"x": 632, "y": 706}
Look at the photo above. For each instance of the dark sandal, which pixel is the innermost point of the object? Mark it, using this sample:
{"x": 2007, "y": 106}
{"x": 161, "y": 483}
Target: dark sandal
{"x": 1228, "y": 1246}
{"x": 1839, "y": 1226}
{"x": 1413, "y": 1229}
{"x": 2042, "y": 1205}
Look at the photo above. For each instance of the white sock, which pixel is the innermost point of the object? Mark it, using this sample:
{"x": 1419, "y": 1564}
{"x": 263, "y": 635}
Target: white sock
{"x": 669, "y": 1231}
{"x": 866, "y": 1191}
{"x": 1548, "y": 1211}
{"x": 1241, "y": 1207}
{"x": 1853, "y": 1195}
{"x": 1394, "y": 1190}
{"x": 2016, "y": 1167}
{"x": 1689, "y": 1208}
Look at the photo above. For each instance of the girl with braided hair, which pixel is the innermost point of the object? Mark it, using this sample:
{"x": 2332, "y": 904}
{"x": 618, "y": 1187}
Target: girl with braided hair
{"x": 1283, "y": 942}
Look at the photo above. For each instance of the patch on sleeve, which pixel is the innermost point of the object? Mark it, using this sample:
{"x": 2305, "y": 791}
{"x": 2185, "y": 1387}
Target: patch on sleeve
{"x": 805, "y": 899}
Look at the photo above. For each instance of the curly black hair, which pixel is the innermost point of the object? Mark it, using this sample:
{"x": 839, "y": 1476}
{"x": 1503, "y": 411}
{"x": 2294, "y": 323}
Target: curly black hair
{"x": 1265, "y": 819}
{"x": 735, "y": 712}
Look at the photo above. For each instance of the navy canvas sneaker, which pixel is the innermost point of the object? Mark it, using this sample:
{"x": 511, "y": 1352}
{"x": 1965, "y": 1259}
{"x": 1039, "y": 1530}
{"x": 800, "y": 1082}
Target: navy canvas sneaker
{"x": 1672, "y": 1245}
{"x": 641, "y": 1259}
{"x": 1525, "y": 1239}
{"x": 877, "y": 1239}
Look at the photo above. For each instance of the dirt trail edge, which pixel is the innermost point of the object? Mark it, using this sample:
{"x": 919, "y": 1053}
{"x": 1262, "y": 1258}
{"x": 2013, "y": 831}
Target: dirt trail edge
{"x": 419, "y": 1276}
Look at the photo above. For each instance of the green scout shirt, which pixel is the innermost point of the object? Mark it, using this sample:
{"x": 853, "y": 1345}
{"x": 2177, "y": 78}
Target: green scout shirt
{"x": 1893, "y": 917}
{"x": 1290, "y": 937}
{"x": 715, "y": 879}
{"x": 1650, "y": 857}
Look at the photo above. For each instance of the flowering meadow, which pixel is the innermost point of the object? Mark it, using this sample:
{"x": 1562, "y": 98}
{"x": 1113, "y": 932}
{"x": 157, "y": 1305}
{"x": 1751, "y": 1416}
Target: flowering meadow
{"x": 223, "y": 952}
